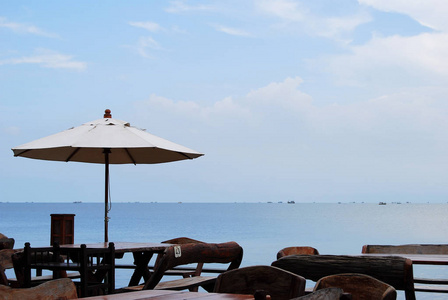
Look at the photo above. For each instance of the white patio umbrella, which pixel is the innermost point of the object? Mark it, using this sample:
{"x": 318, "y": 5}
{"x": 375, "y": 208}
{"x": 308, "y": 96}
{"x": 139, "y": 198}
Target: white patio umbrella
{"x": 105, "y": 141}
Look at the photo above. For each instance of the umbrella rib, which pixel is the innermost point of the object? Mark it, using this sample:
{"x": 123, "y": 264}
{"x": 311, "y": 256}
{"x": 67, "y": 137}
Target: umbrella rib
{"x": 24, "y": 151}
{"x": 71, "y": 155}
{"x": 130, "y": 156}
{"x": 182, "y": 153}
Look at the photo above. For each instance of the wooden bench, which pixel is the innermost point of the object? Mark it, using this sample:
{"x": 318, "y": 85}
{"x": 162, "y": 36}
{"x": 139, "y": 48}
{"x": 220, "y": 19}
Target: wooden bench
{"x": 420, "y": 284}
{"x": 393, "y": 270}
{"x": 179, "y": 271}
{"x": 177, "y": 255}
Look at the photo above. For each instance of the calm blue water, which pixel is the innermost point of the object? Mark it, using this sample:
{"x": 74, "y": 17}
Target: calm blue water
{"x": 260, "y": 228}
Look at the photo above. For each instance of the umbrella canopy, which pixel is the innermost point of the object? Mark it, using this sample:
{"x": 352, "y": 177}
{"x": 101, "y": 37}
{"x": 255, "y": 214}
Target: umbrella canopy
{"x": 105, "y": 141}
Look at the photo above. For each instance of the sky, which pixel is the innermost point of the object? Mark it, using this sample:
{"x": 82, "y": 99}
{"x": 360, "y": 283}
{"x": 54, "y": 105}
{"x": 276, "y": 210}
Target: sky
{"x": 305, "y": 101}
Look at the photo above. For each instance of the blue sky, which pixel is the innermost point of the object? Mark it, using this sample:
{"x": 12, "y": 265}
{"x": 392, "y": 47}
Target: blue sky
{"x": 311, "y": 101}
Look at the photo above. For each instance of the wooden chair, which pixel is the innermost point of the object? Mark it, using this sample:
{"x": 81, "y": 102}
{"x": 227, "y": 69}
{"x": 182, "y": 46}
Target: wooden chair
{"x": 393, "y": 270}
{"x": 93, "y": 265}
{"x": 96, "y": 267}
{"x": 177, "y": 255}
{"x": 423, "y": 284}
{"x": 58, "y": 289}
{"x": 182, "y": 240}
{"x": 305, "y": 250}
{"x": 5, "y": 242}
{"x": 28, "y": 259}
{"x": 5, "y": 263}
{"x": 277, "y": 283}
{"x": 359, "y": 286}
{"x": 184, "y": 272}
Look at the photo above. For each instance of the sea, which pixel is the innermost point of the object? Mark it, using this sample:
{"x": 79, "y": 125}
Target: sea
{"x": 262, "y": 229}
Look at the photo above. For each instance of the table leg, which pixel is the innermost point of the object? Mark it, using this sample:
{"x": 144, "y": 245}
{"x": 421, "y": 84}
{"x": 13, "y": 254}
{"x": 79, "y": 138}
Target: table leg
{"x": 141, "y": 261}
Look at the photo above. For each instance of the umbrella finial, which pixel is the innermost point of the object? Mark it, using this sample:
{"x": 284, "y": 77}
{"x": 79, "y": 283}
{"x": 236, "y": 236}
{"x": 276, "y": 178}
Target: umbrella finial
{"x": 107, "y": 113}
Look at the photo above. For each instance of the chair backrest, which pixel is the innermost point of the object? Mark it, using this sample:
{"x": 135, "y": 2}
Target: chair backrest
{"x": 360, "y": 286}
{"x": 407, "y": 249}
{"x": 182, "y": 241}
{"x": 93, "y": 264}
{"x": 5, "y": 242}
{"x": 34, "y": 258}
{"x": 60, "y": 289}
{"x": 393, "y": 270}
{"x": 5, "y": 263}
{"x": 177, "y": 255}
{"x": 277, "y": 283}
{"x": 306, "y": 250}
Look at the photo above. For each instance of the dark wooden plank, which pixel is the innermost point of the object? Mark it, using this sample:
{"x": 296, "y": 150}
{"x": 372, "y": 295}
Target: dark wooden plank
{"x": 393, "y": 270}
{"x": 175, "y": 270}
{"x": 432, "y": 249}
{"x": 123, "y": 247}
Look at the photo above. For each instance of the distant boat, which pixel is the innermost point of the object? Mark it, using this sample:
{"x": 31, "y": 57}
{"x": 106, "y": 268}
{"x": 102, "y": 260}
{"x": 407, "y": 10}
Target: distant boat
{"x": 382, "y": 203}
{"x": 77, "y": 201}
{"x": 291, "y": 202}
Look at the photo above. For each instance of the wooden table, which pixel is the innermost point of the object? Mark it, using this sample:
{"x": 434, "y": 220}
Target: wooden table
{"x": 418, "y": 259}
{"x": 435, "y": 285}
{"x": 142, "y": 253}
{"x": 171, "y": 295}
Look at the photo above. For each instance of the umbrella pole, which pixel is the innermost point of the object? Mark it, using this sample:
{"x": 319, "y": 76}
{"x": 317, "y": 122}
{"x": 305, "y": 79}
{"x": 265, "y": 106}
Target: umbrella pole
{"x": 106, "y": 194}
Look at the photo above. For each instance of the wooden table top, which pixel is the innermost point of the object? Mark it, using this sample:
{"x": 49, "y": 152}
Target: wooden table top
{"x": 122, "y": 247}
{"x": 171, "y": 295}
{"x": 418, "y": 259}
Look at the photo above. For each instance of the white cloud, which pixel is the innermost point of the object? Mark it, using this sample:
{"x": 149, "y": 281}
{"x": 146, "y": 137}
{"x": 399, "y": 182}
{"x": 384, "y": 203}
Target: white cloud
{"x": 293, "y": 13}
{"x": 48, "y": 59}
{"x": 182, "y": 7}
{"x": 150, "y": 26}
{"x": 145, "y": 44}
{"x": 394, "y": 58}
{"x": 431, "y": 13}
{"x": 231, "y": 31}
{"x": 25, "y": 28}
{"x": 214, "y": 114}
{"x": 404, "y": 121}
{"x": 283, "y": 9}
{"x": 285, "y": 94}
